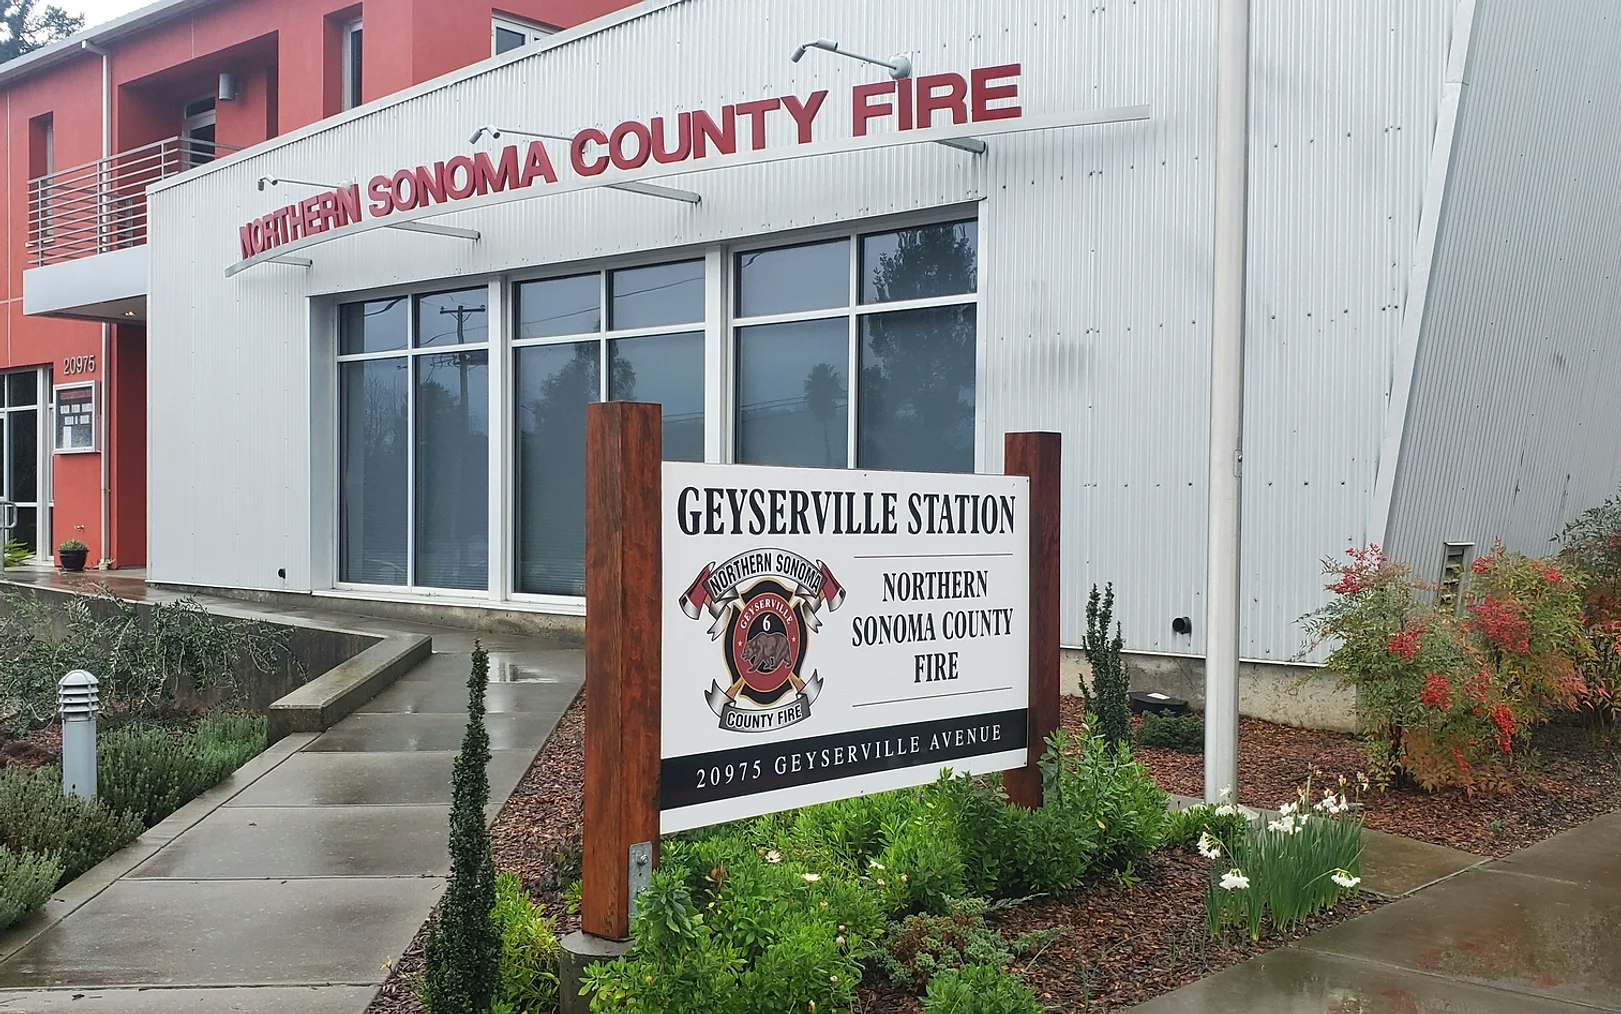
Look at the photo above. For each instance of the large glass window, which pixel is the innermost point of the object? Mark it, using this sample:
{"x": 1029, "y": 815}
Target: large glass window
{"x": 898, "y": 310}
{"x": 633, "y": 334}
{"x": 413, "y": 448}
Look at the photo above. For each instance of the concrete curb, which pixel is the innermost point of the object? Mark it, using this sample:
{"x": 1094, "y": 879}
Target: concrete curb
{"x": 109, "y": 871}
{"x": 324, "y": 701}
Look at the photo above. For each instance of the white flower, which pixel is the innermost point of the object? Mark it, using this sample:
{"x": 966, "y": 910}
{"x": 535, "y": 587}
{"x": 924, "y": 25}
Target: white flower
{"x": 1227, "y": 793}
{"x": 1328, "y": 793}
{"x": 1226, "y": 809}
{"x": 874, "y": 864}
{"x": 1344, "y": 879}
{"x": 773, "y": 857}
{"x": 1287, "y": 824}
{"x": 1288, "y": 809}
{"x": 1234, "y": 880}
{"x": 811, "y": 878}
{"x": 1208, "y": 846}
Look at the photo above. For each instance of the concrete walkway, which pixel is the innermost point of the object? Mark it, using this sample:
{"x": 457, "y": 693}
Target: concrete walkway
{"x": 292, "y": 885}
{"x": 1535, "y": 933}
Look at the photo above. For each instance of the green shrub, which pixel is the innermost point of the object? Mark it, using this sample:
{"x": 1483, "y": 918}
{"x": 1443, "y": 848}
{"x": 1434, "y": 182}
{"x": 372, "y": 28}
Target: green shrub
{"x": 1094, "y": 780}
{"x": 225, "y": 742}
{"x": 1184, "y": 828}
{"x": 147, "y": 772}
{"x": 17, "y": 553}
{"x": 780, "y": 912}
{"x": 463, "y": 953}
{"x": 26, "y": 881}
{"x": 144, "y": 655}
{"x": 150, "y": 772}
{"x": 684, "y": 962}
{"x": 1182, "y": 733}
{"x": 1110, "y": 682}
{"x": 527, "y": 976}
{"x": 919, "y": 946}
{"x": 979, "y": 989}
{"x": 36, "y": 817}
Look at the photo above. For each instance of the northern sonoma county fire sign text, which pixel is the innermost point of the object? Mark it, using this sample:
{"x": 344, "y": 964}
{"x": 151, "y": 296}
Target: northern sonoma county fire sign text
{"x": 830, "y": 633}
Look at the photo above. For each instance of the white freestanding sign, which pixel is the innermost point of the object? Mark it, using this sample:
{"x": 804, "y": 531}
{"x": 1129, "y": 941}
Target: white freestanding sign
{"x": 832, "y": 633}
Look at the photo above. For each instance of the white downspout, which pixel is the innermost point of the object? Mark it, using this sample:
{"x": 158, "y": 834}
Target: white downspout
{"x": 106, "y": 329}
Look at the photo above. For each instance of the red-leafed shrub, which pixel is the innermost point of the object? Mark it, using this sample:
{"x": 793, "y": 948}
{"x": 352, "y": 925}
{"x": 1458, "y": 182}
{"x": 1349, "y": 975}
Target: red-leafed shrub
{"x": 1444, "y": 701}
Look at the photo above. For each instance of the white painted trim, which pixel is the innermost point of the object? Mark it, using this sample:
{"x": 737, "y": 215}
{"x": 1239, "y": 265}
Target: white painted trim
{"x": 1405, "y": 363}
{"x": 654, "y": 171}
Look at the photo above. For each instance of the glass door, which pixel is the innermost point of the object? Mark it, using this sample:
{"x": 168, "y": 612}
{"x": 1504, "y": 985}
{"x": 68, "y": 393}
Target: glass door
{"x": 20, "y": 469}
{"x": 197, "y": 133}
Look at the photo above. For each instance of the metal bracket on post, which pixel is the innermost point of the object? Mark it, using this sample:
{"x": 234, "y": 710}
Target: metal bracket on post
{"x": 641, "y": 871}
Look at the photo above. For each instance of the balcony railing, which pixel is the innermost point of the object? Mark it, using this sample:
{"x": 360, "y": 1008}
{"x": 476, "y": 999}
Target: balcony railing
{"x": 101, "y": 206}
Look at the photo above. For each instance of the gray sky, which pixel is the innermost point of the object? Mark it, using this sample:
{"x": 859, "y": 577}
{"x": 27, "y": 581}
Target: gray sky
{"x": 97, "y": 11}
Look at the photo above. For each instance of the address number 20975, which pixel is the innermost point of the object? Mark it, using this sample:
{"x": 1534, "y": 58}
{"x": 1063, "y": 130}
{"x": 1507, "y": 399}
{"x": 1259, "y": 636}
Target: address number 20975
{"x": 79, "y": 364}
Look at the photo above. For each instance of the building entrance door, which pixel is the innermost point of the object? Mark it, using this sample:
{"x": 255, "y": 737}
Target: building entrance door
{"x": 20, "y": 468}
{"x": 197, "y": 140}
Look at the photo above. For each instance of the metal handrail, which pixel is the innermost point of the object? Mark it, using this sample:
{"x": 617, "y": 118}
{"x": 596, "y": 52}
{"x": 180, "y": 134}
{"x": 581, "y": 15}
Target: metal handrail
{"x": 100, "y": 206}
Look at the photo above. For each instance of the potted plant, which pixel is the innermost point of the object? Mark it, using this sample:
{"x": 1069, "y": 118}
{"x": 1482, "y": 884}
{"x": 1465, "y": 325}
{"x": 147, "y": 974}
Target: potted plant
{"x": 71, "y": 554}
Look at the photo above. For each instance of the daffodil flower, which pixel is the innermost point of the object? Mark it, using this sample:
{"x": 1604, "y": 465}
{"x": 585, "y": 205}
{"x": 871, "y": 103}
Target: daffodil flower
{"x": 1234, "y": 880}
{"x": 1344, "y": 879}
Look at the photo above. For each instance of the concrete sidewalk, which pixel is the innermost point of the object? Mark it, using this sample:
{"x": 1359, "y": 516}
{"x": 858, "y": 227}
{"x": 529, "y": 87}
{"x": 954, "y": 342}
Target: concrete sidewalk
{"x": 314, "y": 869}
{"x": 1535, "y": 933}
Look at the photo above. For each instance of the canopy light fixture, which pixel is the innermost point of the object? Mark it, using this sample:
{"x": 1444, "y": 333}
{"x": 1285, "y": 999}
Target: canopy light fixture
{"x": 900, "y": 67}
{"x": 646, "y": 189}
{"x": 276, "y": 181}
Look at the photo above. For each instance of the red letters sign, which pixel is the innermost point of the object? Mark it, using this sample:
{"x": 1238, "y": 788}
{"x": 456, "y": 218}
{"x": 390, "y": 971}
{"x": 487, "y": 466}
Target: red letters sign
{"x": 987, "y": 93}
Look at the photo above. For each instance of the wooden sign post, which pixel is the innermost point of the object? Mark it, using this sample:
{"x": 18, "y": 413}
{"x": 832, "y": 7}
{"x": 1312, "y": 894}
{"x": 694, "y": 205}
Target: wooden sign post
{"x": 623, "y": 674}
{"x": 1039, "y": 456}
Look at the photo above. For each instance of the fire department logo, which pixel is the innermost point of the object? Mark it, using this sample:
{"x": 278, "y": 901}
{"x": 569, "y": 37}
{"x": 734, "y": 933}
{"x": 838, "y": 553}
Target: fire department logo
{"x": 764, "y": 605}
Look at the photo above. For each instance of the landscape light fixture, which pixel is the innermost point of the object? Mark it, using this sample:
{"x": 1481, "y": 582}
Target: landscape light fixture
{"x": 647, "y": 189}
{"x": 900, "y": 67}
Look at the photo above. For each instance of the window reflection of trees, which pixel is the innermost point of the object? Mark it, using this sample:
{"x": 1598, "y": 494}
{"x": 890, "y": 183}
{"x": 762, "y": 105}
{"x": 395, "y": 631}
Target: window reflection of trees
{"x": 452, "y": 464}
{"x": 916, "y": 403}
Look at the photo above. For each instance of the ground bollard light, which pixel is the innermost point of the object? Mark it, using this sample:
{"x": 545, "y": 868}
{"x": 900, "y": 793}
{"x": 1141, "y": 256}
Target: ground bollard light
{"x": 78, "y": 699}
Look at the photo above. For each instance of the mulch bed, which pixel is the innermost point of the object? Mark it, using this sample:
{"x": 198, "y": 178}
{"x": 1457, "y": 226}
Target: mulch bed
{"x": 1120, "y": 945}
{"x": 1577, "y": 779}
{"x": 33, "y": 749}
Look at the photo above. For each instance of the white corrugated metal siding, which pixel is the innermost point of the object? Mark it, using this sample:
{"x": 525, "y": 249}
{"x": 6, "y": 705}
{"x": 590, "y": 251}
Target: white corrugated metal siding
{"x": 1095, "y": 258}
{"x": 1513, "y": 427}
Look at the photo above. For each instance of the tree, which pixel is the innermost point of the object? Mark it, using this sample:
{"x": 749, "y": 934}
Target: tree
{"x": 26, "y": 28}
{"x": 1110, "y": 683}
{"x": 464, "y": 944}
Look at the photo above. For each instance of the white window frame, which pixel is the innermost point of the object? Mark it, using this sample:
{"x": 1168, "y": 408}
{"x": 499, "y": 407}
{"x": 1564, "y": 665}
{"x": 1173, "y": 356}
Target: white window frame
{"x": 532, "y": 31}
{"x": 410, "y": 353}
{"x": 719, "y": 325}
{"x": 44, "y": 409}
{"x": 351, "y": 93}
{"x": 603, "y": 334}
{"x": 853, "y": 309}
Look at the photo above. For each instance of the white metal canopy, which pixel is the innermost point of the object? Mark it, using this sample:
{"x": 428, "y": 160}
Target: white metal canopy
{"x": 956, "y": 135}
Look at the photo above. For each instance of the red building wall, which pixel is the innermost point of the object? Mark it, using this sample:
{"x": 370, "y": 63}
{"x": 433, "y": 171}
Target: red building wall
{"x": 287, "y": 58}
